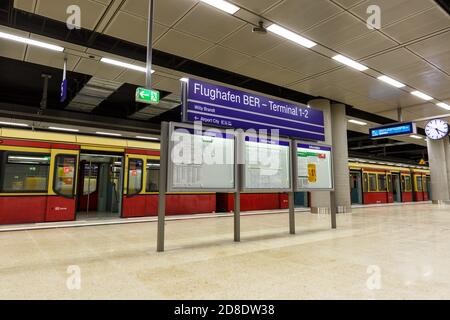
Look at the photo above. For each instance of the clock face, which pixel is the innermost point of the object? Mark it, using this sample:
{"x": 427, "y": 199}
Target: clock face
{"x": 437, "y": 129}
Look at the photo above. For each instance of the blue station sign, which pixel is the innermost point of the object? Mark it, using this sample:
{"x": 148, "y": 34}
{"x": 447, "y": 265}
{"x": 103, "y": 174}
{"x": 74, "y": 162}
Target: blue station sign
{"x": 398, "y": 129}
{"x": 216, "y": 105}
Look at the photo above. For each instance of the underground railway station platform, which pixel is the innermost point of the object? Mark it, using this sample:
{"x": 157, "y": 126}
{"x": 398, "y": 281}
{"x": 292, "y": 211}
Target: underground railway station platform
{"x": 218, "y": 157}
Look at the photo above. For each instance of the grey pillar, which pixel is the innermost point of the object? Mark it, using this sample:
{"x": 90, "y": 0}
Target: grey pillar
{"x": 340, "y": 161}
{"x": 320, "y": 200}
{"x": 438, "y": 169}
{"x": 447, "y": 161}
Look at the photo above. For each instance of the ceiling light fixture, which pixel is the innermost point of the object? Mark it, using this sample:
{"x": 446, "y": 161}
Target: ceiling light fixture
{"x": 360, "y": 123}
{"x": 63, "y": 129}
{"x": 416, "y": 137}
{"x": 14, "y": 124}
{"x": 391, "y": 81}
{"x": 443, "y": 105}
{"x": 108, "y": 134}
{"x": 125, "y": 65}
{"x": 349, "y": 62}
{"x": 422, "y": 95}
{"x": 31, "y": 42}
{"x": 285, "y": 33}
{"x": 147, "y": 138}
{"x": 222, "y": 5}
{"x": 184, "y": 80}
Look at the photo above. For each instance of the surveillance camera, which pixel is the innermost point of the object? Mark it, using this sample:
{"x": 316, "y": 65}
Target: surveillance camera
{"x": 260, "y": 28}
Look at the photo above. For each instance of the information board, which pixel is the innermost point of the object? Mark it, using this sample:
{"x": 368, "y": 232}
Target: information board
{"x": 216, "y": 105}
{"x": 398, "y": 129}
{"x": 314, "y": 167}
{"x": 267, "y": 165}
{"x": 201, "y": 161}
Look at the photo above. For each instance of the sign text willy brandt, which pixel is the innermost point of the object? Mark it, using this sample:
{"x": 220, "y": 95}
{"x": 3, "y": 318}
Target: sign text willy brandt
{"x": 226, "y": 107}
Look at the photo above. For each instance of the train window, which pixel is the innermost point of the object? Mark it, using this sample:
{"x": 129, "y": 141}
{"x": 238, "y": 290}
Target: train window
{"x": 419, "y": 185}
{"x": 152, "y": 176}
{"x": 382, "y": 182}
{"x": 64, "y": 175}
{"x": 25, "y": 172}
{"x": 372, "y": 182}
{"x": 365, "y": 183}
{"x": 408, "y": 185}
{"x": 135, "y": 176}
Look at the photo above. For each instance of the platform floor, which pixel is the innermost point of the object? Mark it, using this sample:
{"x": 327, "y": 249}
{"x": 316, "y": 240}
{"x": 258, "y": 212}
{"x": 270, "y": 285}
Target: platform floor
{"x": 407, "y": 246}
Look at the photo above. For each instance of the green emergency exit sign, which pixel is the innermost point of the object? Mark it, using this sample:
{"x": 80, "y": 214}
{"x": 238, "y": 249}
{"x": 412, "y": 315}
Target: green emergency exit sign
{"x": 147, "y": 96}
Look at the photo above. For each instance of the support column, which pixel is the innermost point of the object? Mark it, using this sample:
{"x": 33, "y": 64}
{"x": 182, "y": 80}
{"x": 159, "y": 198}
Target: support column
{"x": 447, "y": 160}
{"x": 340, "y": 160}
{"x": 320, "y": 200}
{"x": 438, "y": 169}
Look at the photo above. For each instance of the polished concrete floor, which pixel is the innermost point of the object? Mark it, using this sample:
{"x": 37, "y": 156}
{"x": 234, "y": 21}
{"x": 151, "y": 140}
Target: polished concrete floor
{"x": 400, "y": 252}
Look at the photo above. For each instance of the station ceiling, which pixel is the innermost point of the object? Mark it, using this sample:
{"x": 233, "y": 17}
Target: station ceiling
{"x": 193, "y": 38}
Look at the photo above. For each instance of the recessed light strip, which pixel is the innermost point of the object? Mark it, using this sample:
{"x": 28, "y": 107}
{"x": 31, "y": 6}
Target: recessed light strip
{"x": 31, "y": 42}
{"x": 15, "y": 124}
{"x": 443, "y": 105}
{"x": 391, "y": 81}
{"x": 285, "y": 33}
{"x": 349, "y": 62}
{"x": 416, "y": 137}
{"x": 222, "y": 5}
{"x": 63, "y": 129}
{"x": 422, "y": 95}
{"x": 108, "y": 134}
{"x": 125, "y": 65}
{"x": 147, "y": 138}
{"x": 360, "y": 123}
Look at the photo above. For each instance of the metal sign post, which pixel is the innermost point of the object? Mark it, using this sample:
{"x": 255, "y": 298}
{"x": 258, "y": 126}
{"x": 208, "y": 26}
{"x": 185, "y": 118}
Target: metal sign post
{"x": 291, "y": 194}
{"x": 164, "y": 159}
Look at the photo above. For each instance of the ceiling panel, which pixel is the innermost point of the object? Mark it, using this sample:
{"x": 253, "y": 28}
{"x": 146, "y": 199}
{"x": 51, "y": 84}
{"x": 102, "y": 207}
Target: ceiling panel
{"x": 257, "y": 69}
{"x": 182, "y": 44}
{"x": 167, "y": 12}
{"x": 436, "y": 50}
{"x": 302, "y": 14}
{"x": 251, "y": 43}
{"x": 91, "y": 11}
{"x": 366, "y": 45}
{"x": 347, "y": 3}
{"x": 26, "y": 5}
{"x": 281, "y": 77}
{"x": 208, "y": 23}
{"x": 392, "y": 10}
{"x": 223, "y": 58}
{"x": 419, "y": 25}
{"x": 136, "y": 30}
{"x": 338, "y": 29}
{"x": 256, "y": 6}
{"x": 297, "y": 58}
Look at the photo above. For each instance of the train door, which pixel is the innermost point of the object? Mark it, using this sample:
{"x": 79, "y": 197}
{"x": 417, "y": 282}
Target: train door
{"x": 356, "y": 187}
{"x": 396, "y": 187}
{"x": 427, "y": 188}
{"x": 61, "y": 203}
{"x": 301, "y": 199}
{"x": 100, "y": 186}
{"x": 134, "y": 197}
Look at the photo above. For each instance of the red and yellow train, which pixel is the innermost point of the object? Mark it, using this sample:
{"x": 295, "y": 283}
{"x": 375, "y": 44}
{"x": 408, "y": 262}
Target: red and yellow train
{"x": 48, "y": 177}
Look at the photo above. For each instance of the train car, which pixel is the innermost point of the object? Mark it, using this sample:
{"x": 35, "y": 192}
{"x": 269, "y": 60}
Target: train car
{"x": 421, "y": 182}
{"x": 48, "y": 177}
{"x": 377, "y": 183}
{"x": 253, "y": 201}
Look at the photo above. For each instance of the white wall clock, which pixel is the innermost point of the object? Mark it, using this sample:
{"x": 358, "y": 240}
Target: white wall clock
{"x": 437, "y": 129}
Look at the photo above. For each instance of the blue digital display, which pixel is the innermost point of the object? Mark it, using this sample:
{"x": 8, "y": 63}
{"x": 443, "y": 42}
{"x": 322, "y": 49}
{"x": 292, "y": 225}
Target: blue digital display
{"x": 393, "y": 130}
